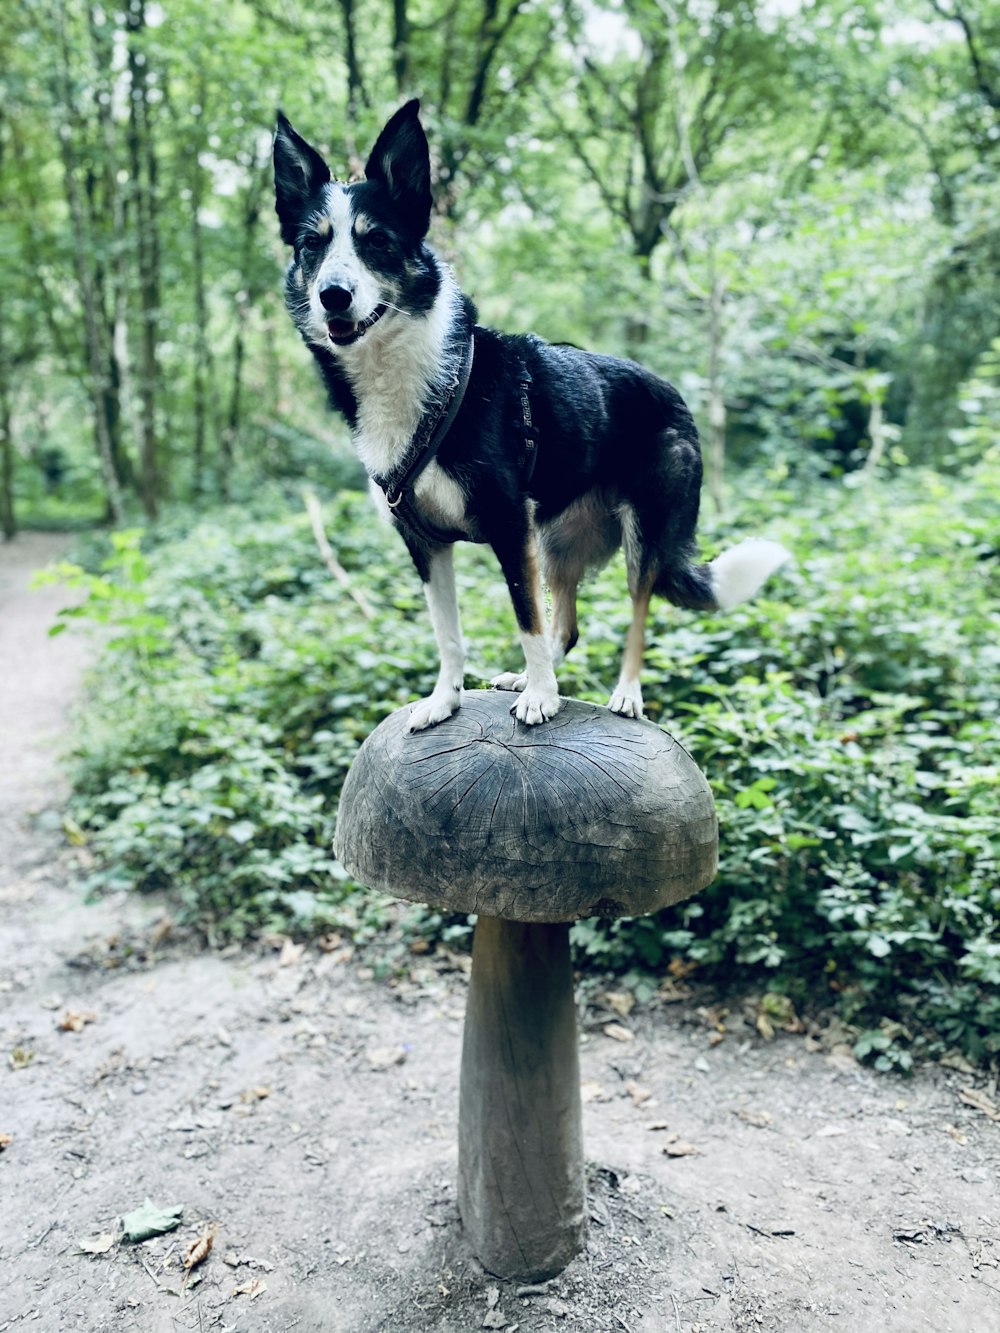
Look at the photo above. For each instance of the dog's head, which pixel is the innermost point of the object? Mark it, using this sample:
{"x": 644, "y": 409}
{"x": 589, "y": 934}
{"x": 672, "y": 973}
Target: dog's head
{"x": 359, "y": 255}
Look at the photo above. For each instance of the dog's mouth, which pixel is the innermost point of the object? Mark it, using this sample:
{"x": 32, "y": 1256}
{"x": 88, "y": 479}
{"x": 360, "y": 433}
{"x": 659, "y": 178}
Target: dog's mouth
{"x": 343, "y": 332}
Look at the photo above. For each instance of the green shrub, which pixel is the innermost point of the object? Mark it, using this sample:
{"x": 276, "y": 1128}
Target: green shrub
{"x": 847, "y": 721}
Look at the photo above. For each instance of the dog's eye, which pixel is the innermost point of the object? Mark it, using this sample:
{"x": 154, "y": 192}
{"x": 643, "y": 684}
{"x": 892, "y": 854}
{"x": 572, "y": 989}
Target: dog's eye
{"x": 313, "y": 241}
{"x": 377, "y": 238}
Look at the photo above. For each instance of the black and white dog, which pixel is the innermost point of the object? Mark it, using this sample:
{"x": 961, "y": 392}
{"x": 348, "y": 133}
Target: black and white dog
{"x": 553, "y": 456}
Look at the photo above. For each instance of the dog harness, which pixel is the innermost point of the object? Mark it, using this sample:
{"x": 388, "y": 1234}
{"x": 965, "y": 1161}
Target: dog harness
{"x": 430, "y": 434}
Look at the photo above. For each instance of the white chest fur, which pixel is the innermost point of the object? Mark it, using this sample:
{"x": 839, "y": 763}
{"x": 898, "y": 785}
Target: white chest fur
{"x": 392, "y": 374}
{"x": 440, "y": 499}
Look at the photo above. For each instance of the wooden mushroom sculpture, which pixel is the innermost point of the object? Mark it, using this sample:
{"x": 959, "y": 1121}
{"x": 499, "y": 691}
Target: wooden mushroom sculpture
{"x": 531, "y": 828}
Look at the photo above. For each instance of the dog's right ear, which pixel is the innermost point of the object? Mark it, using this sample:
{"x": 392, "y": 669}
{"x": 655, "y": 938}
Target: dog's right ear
{"x": 299, "y": 172}
{"x": 401, "y": 162}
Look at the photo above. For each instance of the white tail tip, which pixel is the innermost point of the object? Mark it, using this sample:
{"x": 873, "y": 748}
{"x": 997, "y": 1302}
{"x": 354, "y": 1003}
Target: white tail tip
{"x": 740, "y": 571}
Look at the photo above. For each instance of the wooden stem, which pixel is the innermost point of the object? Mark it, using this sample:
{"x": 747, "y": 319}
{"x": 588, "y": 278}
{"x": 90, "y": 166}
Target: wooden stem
{"x": 521, "y": 1188}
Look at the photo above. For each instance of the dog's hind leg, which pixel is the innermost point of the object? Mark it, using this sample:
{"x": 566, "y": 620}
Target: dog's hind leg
{"x": 438, "y": 573}
{"x": 627, "y": 696}
{"x": 539, "y": 693}
{"x": 563, "y": 631}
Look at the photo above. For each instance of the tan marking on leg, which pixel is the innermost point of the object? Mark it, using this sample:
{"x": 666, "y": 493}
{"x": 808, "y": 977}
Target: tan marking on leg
{"x": 627, "y": 698}
{"x": 534, "y": 582}
{"x": 635, "y": 641}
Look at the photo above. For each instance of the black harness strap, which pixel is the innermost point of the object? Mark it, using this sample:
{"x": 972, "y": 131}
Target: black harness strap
{"x": 427, "y": 440}
{"x": 430, "y": 435}
{"x": 529, "y": 439}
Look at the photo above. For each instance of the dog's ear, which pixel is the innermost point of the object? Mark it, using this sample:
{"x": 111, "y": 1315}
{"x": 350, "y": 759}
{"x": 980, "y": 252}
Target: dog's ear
{"x": 401, "y": 162}
{"x": 299, "y": 172}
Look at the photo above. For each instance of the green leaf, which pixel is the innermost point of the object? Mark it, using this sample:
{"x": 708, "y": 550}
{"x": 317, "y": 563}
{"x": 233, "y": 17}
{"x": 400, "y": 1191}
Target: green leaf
{"x": 151, "y": 1220}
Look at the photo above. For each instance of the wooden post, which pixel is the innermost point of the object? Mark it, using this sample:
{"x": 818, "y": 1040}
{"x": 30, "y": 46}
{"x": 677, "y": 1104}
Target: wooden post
{"x": 521, "y": 1190}
{"x": 531, "y": 828}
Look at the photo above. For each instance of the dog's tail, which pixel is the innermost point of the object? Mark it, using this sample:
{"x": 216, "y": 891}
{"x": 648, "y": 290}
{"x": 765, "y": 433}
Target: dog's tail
{"x": 729, "y": 579}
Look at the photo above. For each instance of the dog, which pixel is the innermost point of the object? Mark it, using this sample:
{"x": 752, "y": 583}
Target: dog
{"x": 553, "y": 456}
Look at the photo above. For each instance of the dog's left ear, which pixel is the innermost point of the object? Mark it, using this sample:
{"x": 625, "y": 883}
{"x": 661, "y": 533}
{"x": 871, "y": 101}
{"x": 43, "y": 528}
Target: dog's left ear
{"x": 401, "y": 162}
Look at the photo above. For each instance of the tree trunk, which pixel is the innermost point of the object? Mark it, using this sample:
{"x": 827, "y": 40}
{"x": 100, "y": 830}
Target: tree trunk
{"x": 716, "y": 397}
{"x": 244, "y": 307}
{"x": 143, "y": 168}
{"x": 401, "y": 47}
{"x": 202, "y": 349}
{"x": 106, "y": 210}
{"x": 8, "y": 518}
{"x": 877, "y": 435}
{"x": 356, "y": 94}
{"x": 103, "y": 386}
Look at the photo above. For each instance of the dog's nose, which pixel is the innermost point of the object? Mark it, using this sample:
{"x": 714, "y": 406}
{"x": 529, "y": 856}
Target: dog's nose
{"x": 336, "y": 299}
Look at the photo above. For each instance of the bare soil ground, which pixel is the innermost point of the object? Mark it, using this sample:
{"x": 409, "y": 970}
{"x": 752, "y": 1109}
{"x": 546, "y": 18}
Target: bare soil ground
{"x": 308, "y": 1112}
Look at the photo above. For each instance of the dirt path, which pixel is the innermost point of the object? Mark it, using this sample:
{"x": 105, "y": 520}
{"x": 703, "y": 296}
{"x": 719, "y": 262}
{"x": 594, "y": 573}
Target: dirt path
{"x": 309, "y": 1111}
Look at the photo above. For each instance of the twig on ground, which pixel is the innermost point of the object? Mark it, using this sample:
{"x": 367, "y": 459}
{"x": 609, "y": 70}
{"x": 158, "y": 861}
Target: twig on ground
{"x": 156, "y": 1280}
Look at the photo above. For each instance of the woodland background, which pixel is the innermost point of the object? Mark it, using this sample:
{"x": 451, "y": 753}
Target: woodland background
{"x": 790, "y": 209}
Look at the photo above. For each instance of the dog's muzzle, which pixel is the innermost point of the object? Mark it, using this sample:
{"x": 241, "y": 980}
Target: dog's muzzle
{"x": 343, "y": 332}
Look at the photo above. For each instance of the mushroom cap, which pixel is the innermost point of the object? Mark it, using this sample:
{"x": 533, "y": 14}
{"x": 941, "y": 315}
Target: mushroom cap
{"x": 589, "y": 814}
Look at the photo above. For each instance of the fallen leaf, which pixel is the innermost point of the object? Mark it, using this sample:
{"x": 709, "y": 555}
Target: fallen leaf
{"x": 20, "y": 1058}
{"x": 97, "y": 1244}
{"x": 76, "y": 1022}
{"x": 200, "y": 1248}
{"x": 255, "y": 1094}
{"x": 256, "y": 1286}
{"x": 619, "y": 1000}
{"x": 291, "y": 953}
{"x": 74, "y": 833}
{"x": 956, "y": 1060}
{"x": 151, "y": 1220}
{"x": 780, "y": 1009}
{"x": 5, "y": 1141}
{"x": 671, "y": 993}
{"x": 384, "y": 1057}
{"x": 328, "y": 943}
{"x": 638, "y": 1093}
{"x": 978, "y": 1099}
{"x": 677, "y": 1147}
{"x": 759, "y": 1119}
{"x": 495, "y": 1319}
{"x": 954, "y": 1132}
{"x": 592, "y": 1092}
{"x": 765, "y": 1027}
{"x": 161, "y": 931}
{"x": 616, "y": 1031}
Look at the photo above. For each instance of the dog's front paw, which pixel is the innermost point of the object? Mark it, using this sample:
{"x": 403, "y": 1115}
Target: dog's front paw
{"x": 536, "y": 706}
{"x": 510, "y": 680}
{"x": 627, "y": 700}
{"x": 437, "y": 708}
